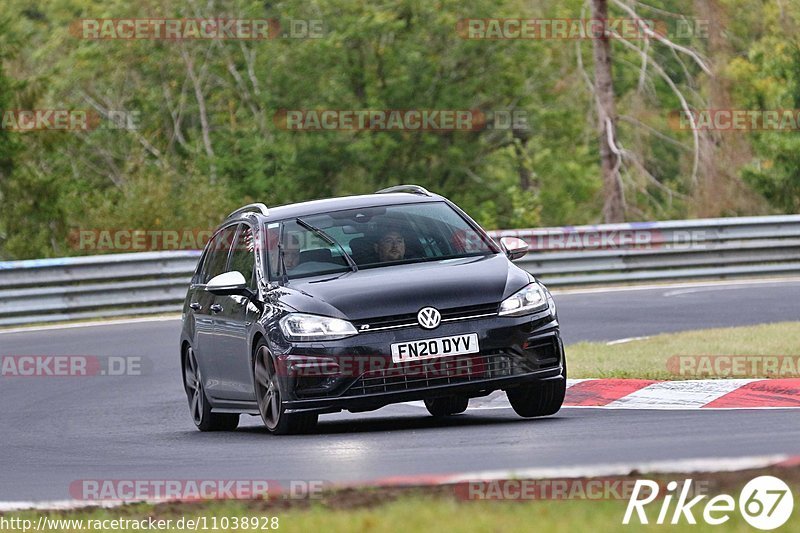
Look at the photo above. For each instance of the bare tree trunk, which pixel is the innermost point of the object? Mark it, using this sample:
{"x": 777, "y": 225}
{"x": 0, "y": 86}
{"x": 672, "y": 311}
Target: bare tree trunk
{"x": 613, "y": 204}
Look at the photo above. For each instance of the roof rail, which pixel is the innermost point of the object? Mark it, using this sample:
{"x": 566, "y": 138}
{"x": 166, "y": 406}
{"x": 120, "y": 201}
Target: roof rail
{"x": 256, "y": 208}
{"x": 413, "y": 189}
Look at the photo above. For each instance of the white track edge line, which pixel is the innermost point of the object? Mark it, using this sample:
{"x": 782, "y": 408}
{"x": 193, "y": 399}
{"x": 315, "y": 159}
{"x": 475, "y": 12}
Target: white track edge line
{"x": 666, "y": 286}
{"x": 676, "y": 466}
{"x": 682, "y": 466}
{"x": 94, "y": 323}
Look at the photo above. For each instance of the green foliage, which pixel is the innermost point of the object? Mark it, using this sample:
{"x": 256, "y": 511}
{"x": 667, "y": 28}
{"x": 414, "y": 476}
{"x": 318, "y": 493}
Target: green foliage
{"x": 207, "y": 138}
{"x": 770, "y": 79}
{"x": 9, "y": 147}
{"x": 765, "y": 72}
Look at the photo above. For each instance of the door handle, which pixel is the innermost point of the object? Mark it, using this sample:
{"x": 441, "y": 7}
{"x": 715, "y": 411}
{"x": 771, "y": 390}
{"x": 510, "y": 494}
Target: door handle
{"x": 196, "y": 306}
{"x": 216, "y": 308}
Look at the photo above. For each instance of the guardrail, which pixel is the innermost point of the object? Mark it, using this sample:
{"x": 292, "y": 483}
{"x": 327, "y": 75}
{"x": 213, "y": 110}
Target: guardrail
{"x": 155, "y": 282}
{"x": 717, "y": 248}
{"x": 72, "y": 288}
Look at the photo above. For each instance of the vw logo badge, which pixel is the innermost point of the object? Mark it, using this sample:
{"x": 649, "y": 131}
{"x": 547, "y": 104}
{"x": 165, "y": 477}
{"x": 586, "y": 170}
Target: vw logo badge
{"x": 429, "y": 317}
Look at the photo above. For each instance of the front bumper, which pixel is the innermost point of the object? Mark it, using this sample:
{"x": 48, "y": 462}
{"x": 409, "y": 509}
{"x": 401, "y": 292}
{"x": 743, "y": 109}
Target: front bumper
{"x": 357, "y": 373}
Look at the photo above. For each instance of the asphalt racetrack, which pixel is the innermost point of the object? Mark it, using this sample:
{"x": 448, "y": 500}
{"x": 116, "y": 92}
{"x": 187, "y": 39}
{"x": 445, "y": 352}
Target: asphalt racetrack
{"x": 56, "y": 431}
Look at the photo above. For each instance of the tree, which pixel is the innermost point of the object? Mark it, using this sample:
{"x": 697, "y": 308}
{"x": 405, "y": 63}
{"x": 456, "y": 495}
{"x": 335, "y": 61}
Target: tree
{"x": 613, "y": 199}
{"x": 622, "y": 167}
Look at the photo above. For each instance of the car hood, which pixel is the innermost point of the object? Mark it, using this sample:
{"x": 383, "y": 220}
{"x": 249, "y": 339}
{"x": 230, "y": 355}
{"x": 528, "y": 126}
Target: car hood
{"x": 405, "y": 289}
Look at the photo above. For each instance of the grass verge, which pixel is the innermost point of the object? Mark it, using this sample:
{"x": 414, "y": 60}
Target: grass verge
{"x": 657, "y": 357}
{"x": 427, "y": 508}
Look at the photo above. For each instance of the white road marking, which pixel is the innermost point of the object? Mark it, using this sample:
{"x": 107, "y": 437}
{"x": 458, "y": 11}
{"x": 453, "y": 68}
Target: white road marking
{"x": 680, "y": 292}
{"x": 679, "y": 394}
{"x": 64, "y": 505}
{"x": 627, "y": 339}
{"x": 675, "y": 466}
{"x": 571, "y": 382}
{"x": 667, "y": 286}
{"x": 682, "y": 466}
{"x": 110, "y": 322}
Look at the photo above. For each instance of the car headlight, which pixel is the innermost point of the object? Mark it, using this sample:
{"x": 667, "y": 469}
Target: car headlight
{"x": 529, "y": 299}
{"x": 551, "y": 304}
{"x": 302, "y": 327}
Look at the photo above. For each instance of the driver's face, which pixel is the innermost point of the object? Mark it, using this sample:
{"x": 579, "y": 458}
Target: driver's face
{"x": 391, "y": 247}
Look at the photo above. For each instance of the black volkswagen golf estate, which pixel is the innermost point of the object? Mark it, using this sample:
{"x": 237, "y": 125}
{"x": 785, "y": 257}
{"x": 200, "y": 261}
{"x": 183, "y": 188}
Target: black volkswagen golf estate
{"x": 359, "y": 302}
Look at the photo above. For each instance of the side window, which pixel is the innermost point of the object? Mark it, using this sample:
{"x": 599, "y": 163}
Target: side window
{"x": 217, "y": 255}
{"x": 243, "y": 256}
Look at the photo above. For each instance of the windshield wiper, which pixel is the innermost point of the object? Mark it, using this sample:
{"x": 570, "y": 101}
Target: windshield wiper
{"x": 284, "y": 274}
{"x": 330, "y": 240}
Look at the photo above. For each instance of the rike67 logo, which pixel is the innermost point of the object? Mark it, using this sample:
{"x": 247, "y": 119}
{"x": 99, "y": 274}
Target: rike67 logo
{"x": 765, "y": 503}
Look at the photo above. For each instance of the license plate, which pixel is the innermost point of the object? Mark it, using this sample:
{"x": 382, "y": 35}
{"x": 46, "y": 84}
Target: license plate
{"x": 433, "y": 348}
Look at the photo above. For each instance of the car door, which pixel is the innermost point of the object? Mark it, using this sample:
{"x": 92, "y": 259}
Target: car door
{"x": 205, "y": 307}
{"x": 233, "y": 321}
{"x": 197, "y": 311}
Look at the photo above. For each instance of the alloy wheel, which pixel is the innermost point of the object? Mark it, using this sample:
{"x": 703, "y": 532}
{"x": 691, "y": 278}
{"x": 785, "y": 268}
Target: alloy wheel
{"x": 267, "y": 390}
{"x": 194, "y": 386}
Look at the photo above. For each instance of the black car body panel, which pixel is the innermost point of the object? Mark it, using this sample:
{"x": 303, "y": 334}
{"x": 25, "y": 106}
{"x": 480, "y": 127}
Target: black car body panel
{"x": 405, "y": 289}
{"x": 357, "y": 372}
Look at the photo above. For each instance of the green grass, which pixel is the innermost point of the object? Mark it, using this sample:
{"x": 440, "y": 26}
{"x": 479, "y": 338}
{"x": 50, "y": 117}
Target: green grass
{"x": 419, "y": 513}
{"x": 650, "y": 358}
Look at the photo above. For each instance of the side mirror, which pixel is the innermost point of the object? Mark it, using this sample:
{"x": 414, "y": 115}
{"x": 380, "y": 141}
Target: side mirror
{"x": 515, "y": 248}
{"x": 229, "y": 284}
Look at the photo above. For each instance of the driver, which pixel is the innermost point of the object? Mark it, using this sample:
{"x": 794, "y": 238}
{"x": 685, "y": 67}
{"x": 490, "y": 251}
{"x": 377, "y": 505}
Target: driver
{"x": 391, "y": 246}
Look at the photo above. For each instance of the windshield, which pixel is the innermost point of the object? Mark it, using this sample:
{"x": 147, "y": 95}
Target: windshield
{"x": 372, "y": 237}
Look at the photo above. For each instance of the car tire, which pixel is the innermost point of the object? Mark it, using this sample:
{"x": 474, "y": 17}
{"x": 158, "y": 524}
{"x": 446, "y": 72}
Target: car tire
{"x": 270, "y": 398}
{"x": 199, "y": 406}
{"x": 446, "y": 406}
{"x": 539, "y": 399}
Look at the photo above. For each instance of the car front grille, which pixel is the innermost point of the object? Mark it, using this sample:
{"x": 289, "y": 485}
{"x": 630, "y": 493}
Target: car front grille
{"x": 440, "y": 371}
{"x": 410, "y": 319}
